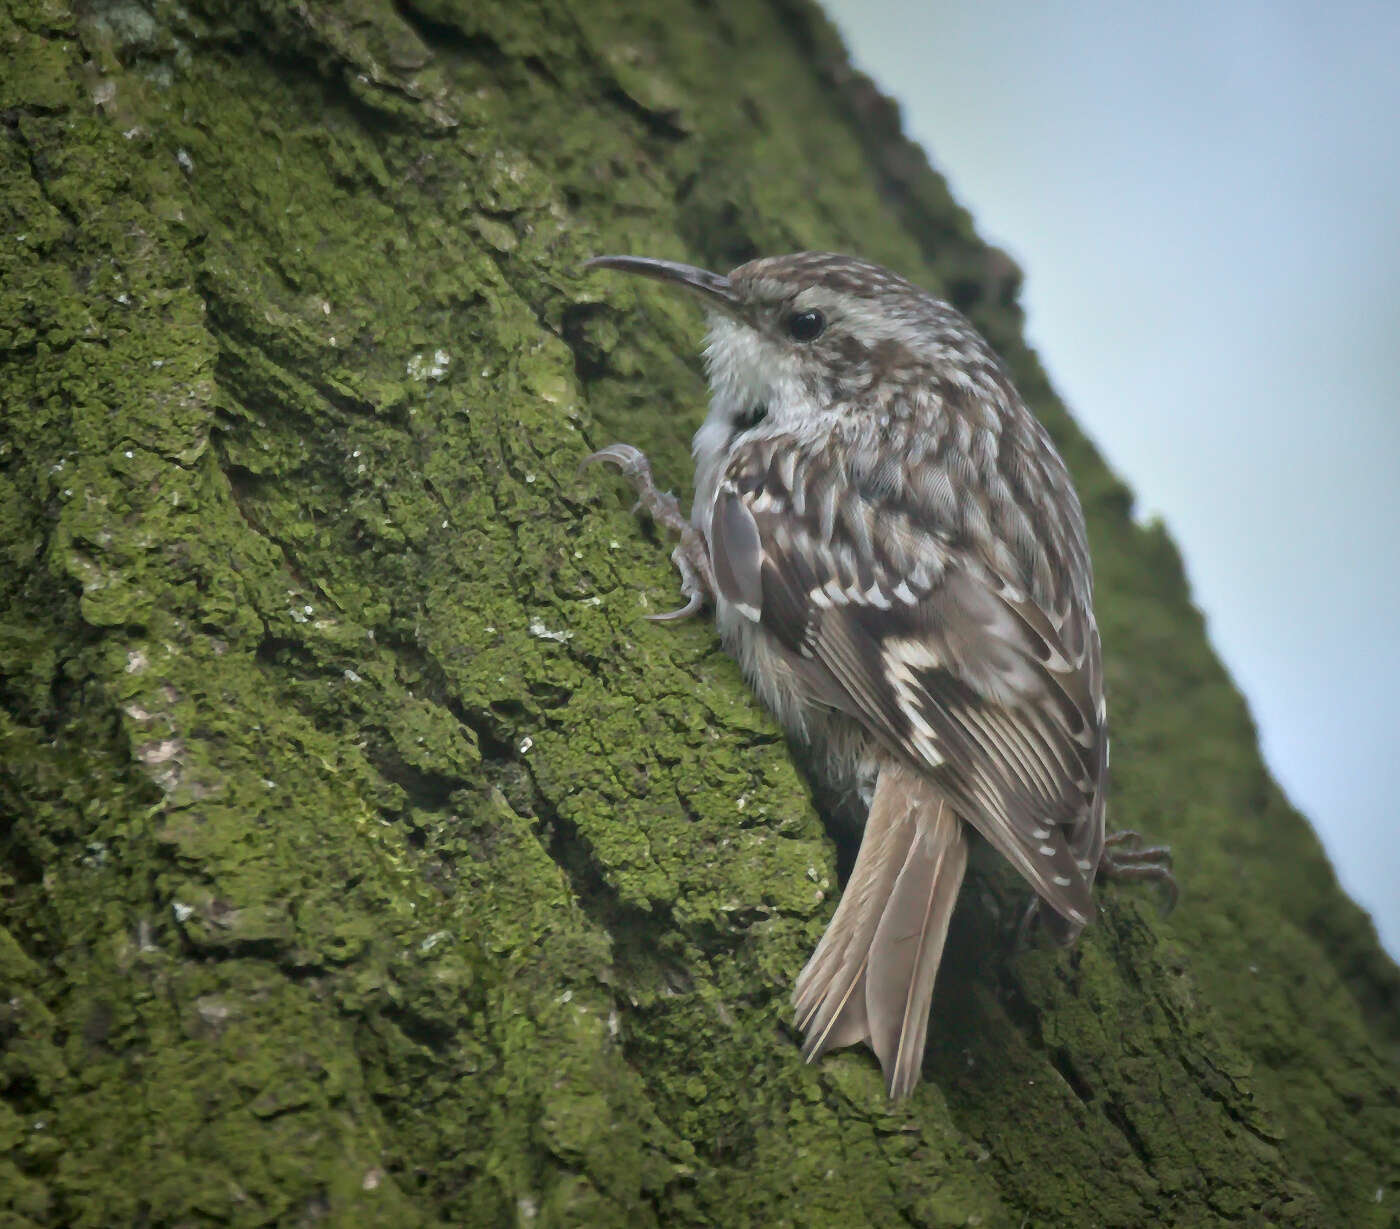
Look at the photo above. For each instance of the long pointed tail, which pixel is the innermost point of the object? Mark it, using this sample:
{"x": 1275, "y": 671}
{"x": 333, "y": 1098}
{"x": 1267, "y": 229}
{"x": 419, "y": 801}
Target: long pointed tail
{"x": 871, "y": 977}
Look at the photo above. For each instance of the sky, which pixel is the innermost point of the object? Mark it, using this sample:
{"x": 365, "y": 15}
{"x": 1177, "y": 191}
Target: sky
{"x": 1205, "y": 199}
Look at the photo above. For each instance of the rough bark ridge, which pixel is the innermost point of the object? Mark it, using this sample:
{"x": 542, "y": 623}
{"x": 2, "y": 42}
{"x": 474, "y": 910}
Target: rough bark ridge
{"x": 366, "y": 858}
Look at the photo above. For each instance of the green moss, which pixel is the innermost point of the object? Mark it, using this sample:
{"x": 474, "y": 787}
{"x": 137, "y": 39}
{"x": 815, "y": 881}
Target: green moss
{"x": 369, "y": 857}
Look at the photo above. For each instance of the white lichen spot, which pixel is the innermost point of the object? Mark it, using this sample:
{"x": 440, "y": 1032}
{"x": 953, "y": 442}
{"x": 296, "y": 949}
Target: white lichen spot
{"x": 530, "y": 478}
{"x": 213, "y": 1011}
{"x": 372, "y": 1179}
{"x": 182, "y": 911}
{"x": 128, "y": 454}
{"x": 526, "y": 743}
{"x": 352, "y": 677}
{"x": 269, "y": 783}
{"x": 614, "y": 544}
{"x": 566, "y": 997}
{"x": 527, "y": 1207}
{"x": 742, "y": 801}
{"x": 297, "y": 616}
{"x": 124, "y": 299}
{"x": 160, "y": 752}
{"x": 433, "y": 940}
{"x": 541, "y": 632}
{"x": 186, "y": 162}
{"x": 424, "y": 366}
{"x": 96, "y": 854}
{"x": 444, "y": 524}
{"x": 325, "y": 308}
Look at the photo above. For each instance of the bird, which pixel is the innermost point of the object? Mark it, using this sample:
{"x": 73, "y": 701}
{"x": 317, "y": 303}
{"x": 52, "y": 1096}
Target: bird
{"x": 897, "y": 558}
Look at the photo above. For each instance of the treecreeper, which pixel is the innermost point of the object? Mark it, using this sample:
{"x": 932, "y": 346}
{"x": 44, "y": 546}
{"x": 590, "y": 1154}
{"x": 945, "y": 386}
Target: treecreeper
{"x": 897, "y": 558}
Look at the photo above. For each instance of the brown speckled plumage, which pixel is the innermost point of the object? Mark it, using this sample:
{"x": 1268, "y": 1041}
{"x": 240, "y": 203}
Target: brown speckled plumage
{"x": 897, "y": 558}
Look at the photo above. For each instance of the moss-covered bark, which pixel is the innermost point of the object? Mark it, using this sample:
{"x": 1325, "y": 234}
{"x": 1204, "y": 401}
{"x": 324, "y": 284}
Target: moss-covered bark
{"x": 366, "y": 857}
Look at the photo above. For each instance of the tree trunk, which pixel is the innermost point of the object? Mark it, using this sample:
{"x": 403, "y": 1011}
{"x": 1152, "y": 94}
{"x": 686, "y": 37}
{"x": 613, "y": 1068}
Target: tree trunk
{"x": 367, "y": 857}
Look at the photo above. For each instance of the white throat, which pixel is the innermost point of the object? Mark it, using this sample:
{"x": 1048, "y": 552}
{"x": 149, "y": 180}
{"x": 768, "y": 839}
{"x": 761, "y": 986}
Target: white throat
{"x": 746, "y": 370}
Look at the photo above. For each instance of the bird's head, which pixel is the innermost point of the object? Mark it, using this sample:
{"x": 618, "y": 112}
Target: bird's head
{"x": 814, "y": 335}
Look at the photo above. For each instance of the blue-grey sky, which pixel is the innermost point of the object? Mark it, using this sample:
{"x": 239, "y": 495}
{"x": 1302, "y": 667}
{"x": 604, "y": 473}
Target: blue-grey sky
{"x": 1206, "y": 202}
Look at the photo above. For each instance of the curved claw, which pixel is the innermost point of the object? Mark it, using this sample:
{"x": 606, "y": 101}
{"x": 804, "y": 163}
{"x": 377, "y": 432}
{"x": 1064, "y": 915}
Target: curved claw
{"x": 1126, "y": 857}
{"x": 693, "y": 606}
{"x": 1170, "y": 892}
{"x": 1026, "y": 925}
{"x": 1159, "y": 875}
{"x": 691, "y": 556}
{"x": 628, "y": 459}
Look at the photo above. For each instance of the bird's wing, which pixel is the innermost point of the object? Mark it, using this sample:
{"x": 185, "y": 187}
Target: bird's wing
{"x": 925, "y": 630}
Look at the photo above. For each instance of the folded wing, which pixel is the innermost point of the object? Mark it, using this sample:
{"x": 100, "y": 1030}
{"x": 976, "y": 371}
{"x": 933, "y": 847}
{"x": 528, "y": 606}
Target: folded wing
{"x": 966, "y": 659}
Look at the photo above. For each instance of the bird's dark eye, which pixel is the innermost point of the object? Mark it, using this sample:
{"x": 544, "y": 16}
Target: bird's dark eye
{"x": 805, "y": 326}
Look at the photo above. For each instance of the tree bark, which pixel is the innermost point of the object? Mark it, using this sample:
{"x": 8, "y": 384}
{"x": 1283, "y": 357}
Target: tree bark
{"x": 367, "y": 858}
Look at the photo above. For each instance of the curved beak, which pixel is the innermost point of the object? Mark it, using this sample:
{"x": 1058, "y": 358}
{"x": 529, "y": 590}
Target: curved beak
{"x": 710, "y": 286}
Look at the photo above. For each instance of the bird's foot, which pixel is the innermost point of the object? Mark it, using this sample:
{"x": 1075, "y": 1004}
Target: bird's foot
{"x": 692, "y": 555}
{"x": 1126, "y": 857}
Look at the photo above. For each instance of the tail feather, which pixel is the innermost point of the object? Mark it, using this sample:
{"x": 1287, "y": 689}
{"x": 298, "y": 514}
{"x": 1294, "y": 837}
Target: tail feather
{"x": 871, "y": 977}
{"x": 829, "y": 996}
{"x": 908, "y": 948}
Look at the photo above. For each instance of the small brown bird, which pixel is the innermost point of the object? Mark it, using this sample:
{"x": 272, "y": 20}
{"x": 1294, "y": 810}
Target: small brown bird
{"x": 898, "y": 560}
